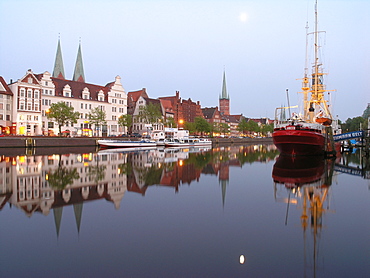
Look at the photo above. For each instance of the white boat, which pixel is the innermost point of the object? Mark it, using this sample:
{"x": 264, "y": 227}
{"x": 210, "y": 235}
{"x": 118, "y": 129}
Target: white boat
{"x": 126, "y": 144}
{"x": 188, "y": 142}
{"x": 125, "y": 150}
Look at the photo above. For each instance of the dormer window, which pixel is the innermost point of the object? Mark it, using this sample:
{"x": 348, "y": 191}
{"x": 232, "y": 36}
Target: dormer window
{"x": 86, "y": 93}
{"x": 101, "y": 95}
{"x": 67, "y": 91}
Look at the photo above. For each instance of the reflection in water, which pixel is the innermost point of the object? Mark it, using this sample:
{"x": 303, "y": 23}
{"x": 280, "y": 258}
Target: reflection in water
{"x": 307, "y": 181}
{"x": 50, "y": 182}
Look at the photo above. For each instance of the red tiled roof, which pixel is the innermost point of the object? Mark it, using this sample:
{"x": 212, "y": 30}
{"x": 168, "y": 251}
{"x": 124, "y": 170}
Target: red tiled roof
{"x": 167, "y": 105}
{"x": 78, "y": 87}
{"x": 134, "y": 96}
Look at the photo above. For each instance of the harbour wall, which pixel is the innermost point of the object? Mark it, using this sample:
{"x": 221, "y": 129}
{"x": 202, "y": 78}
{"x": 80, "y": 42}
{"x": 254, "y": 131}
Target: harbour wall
{"x": 40, "y": 145}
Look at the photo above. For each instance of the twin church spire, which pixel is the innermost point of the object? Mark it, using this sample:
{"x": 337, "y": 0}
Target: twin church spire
{"x": 58, "y": 71}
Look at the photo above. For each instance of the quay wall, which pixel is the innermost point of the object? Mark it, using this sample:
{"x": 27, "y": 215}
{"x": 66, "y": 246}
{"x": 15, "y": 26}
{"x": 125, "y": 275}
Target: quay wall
{"x": 57, "y": 142}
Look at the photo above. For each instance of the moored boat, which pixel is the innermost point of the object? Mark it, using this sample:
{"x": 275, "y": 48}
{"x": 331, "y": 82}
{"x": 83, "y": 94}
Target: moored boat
{"x": 310, "y": 133}
{"x": 188, "y": 142}
{"x": 125, "y": 144}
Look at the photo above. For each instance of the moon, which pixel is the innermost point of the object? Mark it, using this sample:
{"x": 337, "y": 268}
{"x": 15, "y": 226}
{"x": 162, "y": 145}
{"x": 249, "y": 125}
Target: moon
{"x": 243, "y": 17}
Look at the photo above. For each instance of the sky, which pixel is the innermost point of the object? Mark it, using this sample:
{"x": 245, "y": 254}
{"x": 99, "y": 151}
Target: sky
{"x": 185, "y": 46}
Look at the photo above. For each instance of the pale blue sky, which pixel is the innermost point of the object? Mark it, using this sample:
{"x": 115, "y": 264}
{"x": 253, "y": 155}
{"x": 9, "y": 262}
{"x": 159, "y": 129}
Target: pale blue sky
{"x": 168, "y": 46}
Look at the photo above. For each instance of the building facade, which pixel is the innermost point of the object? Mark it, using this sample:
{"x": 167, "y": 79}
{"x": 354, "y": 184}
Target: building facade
{"x": 33, "y": 95}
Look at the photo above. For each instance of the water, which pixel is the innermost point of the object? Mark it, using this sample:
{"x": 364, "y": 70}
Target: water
{"x": 183, "y": 213}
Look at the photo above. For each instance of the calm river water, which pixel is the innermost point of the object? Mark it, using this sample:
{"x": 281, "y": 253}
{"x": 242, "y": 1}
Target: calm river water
{"x": 239, "y": 211}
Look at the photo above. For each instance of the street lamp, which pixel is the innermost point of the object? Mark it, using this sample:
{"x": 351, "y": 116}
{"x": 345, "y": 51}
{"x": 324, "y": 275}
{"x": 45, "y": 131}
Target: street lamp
{"x": 181, "y": 121}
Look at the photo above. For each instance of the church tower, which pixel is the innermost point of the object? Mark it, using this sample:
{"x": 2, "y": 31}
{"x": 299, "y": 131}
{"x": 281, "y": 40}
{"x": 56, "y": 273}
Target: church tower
{"x": 224, "y": 99}
{"x": 58, "y": 71}
{"x": 78, "y": 74}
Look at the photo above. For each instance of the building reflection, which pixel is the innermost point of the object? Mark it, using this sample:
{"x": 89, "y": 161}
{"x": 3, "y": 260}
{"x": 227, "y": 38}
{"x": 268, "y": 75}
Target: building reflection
{"x": 45, "y": 183}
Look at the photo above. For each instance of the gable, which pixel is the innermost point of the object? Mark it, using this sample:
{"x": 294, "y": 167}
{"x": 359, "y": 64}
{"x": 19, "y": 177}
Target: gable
{"x": 30, "y": 79}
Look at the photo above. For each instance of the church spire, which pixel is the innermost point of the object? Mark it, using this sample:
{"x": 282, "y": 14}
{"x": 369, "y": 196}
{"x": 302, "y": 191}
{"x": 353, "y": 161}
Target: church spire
{"x": 58, "y": 71}
{"x": 79, "y": 69}
{"x": 224, "y": 94}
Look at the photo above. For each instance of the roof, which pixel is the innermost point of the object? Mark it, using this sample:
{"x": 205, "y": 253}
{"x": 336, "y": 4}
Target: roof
{"x": 167, "y": 105}
{"x": 230, "y": 119}
{"x": 224, "y": 94}
{"x": 77, "y": 88}
{"x": 134, "y": 96}
{"x": 79, "y": 74}
{"x": 58, "y": 65}
{"x": 209, "y": 112}
{"x": 4, "y": 88}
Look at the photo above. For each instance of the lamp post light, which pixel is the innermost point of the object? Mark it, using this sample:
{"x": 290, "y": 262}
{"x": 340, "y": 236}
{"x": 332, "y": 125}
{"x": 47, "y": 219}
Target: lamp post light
{"x": 181, "y": 122}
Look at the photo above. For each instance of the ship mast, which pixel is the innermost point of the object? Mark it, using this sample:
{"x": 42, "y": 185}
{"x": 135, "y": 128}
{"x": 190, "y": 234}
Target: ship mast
{"x": 318, "y": 107}
{"x": 305, "y": 81}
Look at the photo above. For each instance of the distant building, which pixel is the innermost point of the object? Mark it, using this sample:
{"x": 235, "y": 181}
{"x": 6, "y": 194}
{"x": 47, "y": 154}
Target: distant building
{"x": 184, "y": 110}
{"x": 224, "y": 99}
{"x": 6, "y": 103}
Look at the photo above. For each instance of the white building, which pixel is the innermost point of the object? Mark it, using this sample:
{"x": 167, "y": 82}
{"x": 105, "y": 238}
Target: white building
{"x": 34, "y": 93}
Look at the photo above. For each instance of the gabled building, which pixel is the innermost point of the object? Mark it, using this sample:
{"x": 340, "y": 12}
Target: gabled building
{"x": 139, "y": 123}
{"x": 184, "y": 110}
{"x": 212, "y": 115}
{"x": 34, "y": 94}
{"x": 6, "y": 102}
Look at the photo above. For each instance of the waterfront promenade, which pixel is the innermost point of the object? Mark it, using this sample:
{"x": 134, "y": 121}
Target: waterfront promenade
{"x": 77, "y": 142}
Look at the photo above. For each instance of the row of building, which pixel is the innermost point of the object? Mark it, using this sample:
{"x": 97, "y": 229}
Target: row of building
{"x": 24, "y": 104}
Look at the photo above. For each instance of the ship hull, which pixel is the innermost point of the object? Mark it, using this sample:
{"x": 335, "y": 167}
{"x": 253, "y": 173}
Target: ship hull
{"x": 299, "y": 142}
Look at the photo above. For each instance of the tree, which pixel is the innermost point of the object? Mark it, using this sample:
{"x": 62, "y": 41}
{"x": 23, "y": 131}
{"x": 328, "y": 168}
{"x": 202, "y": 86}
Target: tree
{"x": 201, "y": 125}
{"x": 62, "y": 114}
{"x": 242, "y": 126}
{"x": 224, "y": 128}
{"x": 97, "y": 117}
{"x": 170, "y": 122}
{"x": 252, "y": 126}
{"x": 354, "y": 124}
{"x": 265, "y": 129}
{"x": 125, "y": 121}
{"x": 150, "y": 113}
{"x": 190, "y": 126}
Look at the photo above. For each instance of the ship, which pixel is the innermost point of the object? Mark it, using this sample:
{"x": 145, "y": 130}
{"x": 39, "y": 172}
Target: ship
{"x": 310, "y": 132}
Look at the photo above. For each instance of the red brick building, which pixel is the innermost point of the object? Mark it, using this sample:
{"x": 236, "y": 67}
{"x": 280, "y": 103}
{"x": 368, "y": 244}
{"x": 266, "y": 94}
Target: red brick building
{"x": 186, "y": 110}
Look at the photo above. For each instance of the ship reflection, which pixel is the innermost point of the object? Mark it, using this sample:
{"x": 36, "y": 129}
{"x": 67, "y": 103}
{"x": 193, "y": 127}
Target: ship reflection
{"x": 307, "y": 181}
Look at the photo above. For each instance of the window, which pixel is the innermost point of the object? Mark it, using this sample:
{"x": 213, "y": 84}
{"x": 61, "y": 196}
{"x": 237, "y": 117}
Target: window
{"x": 1, "y": 106}
{"x": 29, "y": 94}
{"x": 29, "y": 80}
{"x": 36, "y": 94}
{"x": 1, "y": 117}
{"x": 8, "y": 107}
{"x": 82, "y": 105}
{"x": 22, "y": 93}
